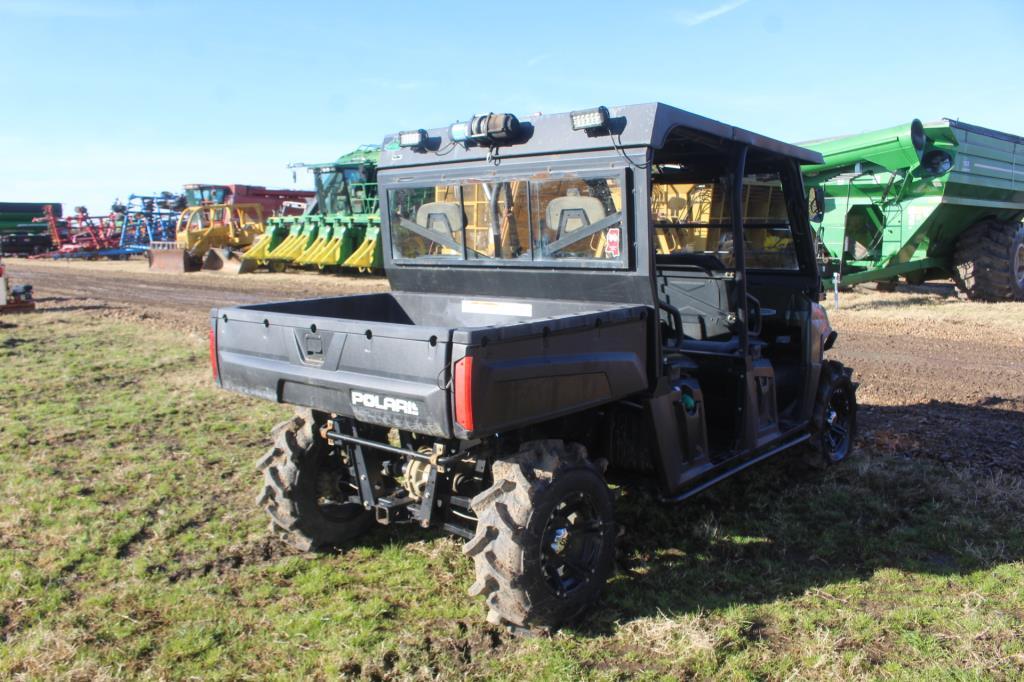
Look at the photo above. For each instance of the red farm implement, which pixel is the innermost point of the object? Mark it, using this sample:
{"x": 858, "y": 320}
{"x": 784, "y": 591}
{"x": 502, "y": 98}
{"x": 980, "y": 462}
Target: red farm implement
{"x": 81, "y": 235}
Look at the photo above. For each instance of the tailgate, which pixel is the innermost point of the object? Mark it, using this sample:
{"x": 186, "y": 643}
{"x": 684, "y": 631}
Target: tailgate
{"x": 377, "y": 372}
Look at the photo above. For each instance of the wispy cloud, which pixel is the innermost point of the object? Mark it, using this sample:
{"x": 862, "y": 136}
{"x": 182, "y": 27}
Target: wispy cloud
{"x": 690, "y": 18}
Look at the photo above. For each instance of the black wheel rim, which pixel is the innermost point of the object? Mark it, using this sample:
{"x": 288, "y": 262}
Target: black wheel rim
{"x": 571, "y": 544}
{"x": 837, "y": 423}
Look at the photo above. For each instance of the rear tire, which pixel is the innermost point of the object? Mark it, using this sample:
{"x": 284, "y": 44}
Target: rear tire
{"x": 545, "y": 537}
{"x": 834, "y": 422}
{"x": 303, "y": 485}
{"x": 989, "y": 262}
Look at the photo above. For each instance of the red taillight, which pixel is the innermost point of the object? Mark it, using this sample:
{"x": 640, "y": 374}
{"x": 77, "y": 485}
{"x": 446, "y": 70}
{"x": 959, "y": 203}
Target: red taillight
{"x": 463, "y": 384}
{"x": 213, "y": 355}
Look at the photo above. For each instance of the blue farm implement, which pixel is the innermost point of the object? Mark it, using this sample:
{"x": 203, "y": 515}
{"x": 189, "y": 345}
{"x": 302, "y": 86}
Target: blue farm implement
{"x": 146, "y": 219}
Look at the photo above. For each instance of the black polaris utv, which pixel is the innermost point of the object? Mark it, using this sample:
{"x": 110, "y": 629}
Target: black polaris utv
{"x": 625, "y": 290}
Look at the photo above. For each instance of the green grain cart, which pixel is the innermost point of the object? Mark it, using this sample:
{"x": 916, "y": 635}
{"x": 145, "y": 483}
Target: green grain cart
{"x": 19, "y": 235}
{"x": 923, "y": 202}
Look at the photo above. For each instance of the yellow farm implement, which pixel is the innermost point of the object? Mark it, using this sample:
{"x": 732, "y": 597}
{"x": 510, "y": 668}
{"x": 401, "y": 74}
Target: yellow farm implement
{"x": 210, "y": 237}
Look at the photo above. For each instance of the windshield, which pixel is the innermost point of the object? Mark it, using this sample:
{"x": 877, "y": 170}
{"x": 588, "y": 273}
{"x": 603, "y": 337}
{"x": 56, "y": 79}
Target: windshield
{"x": 564, "y": 220}
{"x": 205, "y": 195}
{"x": 695, "y": 218}
{"x": 334, "y": 185}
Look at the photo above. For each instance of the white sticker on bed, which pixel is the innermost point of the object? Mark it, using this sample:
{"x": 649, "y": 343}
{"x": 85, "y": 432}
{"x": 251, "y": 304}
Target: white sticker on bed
{"x": 498, "y": 308}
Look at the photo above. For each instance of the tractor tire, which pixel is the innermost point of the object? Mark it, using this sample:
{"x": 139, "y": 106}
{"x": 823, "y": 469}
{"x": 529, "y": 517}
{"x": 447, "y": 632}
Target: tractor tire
{"x": 299, "y": 478}
{"x": 989, "y": 262}
{"x": 834, "y": 420}
{"x": 545, "y": 538}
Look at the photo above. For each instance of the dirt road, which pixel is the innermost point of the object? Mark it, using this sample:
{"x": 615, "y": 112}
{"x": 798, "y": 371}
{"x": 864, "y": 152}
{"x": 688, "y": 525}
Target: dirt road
{"x": 124, "y": 288}
{"x": 940, "y": 378}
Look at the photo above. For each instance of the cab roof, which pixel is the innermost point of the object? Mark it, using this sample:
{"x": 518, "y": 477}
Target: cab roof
{"x": 629, "y": 126}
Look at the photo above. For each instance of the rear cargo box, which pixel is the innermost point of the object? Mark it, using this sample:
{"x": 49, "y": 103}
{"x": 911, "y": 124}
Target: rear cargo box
{"x": 386, "y": 358}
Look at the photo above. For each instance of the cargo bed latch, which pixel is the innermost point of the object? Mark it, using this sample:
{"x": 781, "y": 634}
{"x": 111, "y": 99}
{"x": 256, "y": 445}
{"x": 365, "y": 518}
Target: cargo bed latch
{"x": 313, "y": 348}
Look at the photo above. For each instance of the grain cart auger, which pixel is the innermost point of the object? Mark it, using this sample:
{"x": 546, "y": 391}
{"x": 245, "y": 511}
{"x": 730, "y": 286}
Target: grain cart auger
{"x": 534, "y": 345}
{"x": 340, "y": 229}
{"x": 923, "y": 201}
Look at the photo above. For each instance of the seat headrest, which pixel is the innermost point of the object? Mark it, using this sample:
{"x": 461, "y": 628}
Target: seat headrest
{"x": 569, "y": 213}
{"x": 441, "y": 216}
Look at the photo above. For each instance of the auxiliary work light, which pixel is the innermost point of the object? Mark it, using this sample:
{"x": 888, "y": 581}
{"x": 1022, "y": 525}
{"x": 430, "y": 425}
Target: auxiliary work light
{"x": 413, "y": 139}
{"x": 590, "y": 119}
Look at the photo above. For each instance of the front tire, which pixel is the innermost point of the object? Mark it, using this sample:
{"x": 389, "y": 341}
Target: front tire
{"x": 304, "y": 488}
{"x": 545, "y": 539}
{"x": 989, "y": 262}
{"x": 834, "y": 421}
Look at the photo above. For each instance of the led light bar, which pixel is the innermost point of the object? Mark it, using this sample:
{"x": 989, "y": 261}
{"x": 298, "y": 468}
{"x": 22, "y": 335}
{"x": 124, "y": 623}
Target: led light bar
{"x": 589, "y": 119}
{"x": 413, "y": 139}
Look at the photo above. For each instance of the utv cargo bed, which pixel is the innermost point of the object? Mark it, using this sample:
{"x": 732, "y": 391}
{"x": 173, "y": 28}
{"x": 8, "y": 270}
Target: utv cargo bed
{"x": 387, "y": 358}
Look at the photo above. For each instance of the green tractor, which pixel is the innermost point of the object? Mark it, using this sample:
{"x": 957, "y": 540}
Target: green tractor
{"x": 922, "y": 202}
{"x": 340, "y": 229}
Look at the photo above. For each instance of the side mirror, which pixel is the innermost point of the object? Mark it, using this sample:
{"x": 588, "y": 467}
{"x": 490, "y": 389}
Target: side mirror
{"x": 816, "y": 204}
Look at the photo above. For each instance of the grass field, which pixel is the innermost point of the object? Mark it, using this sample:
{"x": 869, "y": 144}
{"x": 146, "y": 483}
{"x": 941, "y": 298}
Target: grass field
{"x": 130, "y": 546}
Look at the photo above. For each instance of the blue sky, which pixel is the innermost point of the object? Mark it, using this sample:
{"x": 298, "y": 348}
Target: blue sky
{"x": 102, "y": 99}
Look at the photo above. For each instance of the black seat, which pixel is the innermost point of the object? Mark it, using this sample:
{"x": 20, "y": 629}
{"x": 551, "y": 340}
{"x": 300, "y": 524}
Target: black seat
{"x": 702, "y": 296}
{"x": 702, "y": 299}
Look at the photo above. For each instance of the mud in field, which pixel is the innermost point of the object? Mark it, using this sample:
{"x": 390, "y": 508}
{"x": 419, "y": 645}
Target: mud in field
{"x": 939, "y": 377}
{"x": 127, "y": 290}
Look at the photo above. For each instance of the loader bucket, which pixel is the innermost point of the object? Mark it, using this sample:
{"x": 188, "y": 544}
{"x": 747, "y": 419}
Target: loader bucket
{"x": 228, "y": 260}
{"x": 172, "y": 260}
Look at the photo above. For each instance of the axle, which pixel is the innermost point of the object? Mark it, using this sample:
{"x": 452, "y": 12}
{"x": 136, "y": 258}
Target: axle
{"x": 406, "y": 478}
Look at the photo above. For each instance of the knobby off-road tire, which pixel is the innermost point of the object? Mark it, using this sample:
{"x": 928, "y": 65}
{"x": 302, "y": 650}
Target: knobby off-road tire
{"x": 989, "y": 262}
{"x": 545, "y": 538}
{"x": 299, "y": 480}
{"x": 834, "y": 421}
